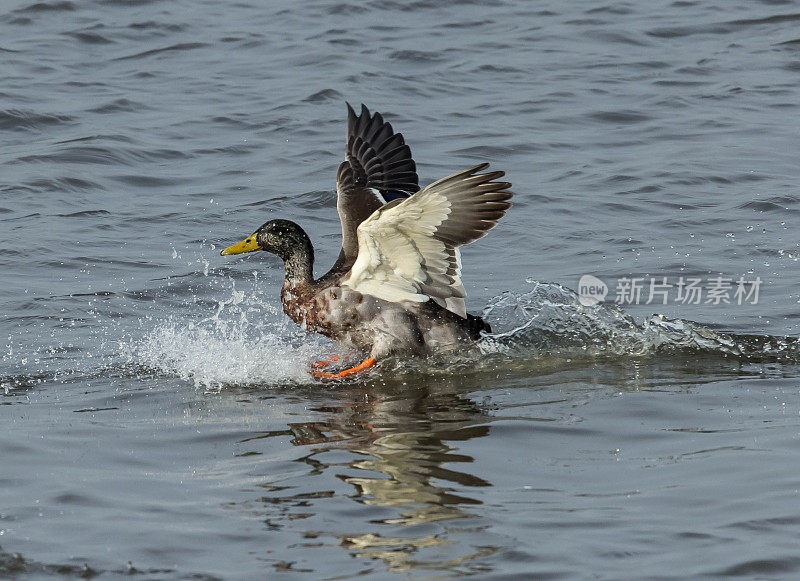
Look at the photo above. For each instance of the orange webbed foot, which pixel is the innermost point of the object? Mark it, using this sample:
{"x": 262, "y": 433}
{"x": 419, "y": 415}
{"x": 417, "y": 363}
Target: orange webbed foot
{"x": 347, "y": 372}
{"x": 323, "y": 363}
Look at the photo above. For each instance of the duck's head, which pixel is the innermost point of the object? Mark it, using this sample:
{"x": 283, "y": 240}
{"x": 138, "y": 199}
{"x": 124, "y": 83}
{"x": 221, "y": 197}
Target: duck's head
{"x": 281, "y": 237}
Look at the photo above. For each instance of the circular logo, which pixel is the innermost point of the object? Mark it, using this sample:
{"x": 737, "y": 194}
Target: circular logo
{"x": 591, "y": 290}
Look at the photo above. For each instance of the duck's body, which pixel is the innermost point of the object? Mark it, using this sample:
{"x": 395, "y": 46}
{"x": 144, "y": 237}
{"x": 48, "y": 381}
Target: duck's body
{"x": 369, "y": 324}
{"x": 396, "y": 287}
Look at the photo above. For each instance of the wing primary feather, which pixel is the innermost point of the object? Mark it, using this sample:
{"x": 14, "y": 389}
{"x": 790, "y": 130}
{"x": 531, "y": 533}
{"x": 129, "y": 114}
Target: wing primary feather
{"x": 378, "y": 167}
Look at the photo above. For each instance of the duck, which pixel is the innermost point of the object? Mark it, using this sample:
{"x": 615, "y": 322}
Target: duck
{"x": 395, "y": 288}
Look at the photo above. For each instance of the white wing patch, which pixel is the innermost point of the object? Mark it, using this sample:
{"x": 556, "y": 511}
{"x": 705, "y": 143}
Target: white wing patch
{"x": 404, "y": 253}
{"x": 397, "y": 251}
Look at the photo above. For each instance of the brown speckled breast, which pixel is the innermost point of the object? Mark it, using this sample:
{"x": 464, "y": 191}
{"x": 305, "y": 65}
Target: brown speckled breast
{"x": 310, "y": 308}
{"x": 372, "y": 324}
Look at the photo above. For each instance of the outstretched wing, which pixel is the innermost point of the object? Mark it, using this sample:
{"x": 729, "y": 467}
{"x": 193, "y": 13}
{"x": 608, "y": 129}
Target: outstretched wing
{"x": 378, "y": 168}
{"x": 408, "y": 250}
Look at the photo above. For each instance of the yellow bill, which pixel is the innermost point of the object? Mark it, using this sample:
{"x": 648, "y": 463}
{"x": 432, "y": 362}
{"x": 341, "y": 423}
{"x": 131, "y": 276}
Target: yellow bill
{"x": 248, "y": 245}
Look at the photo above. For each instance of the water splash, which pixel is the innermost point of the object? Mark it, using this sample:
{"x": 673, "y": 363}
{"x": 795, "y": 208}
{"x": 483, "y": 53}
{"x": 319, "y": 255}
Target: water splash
{"x": 249, "y": 341}
{"x": 245, "y": 342}
{"x": 550, "y": 320}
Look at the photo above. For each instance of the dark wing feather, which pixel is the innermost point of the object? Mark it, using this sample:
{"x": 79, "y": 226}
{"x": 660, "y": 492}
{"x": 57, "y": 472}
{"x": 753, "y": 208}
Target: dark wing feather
{"x": 377, "y": 157}
{"x": 378, "y": 168}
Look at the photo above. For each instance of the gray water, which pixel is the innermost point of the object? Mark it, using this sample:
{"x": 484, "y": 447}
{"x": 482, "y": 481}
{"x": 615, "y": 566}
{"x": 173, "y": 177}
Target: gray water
{"x": 157, "y": 416}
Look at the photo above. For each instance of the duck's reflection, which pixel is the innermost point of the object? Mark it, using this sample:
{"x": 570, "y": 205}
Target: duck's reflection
{"x": 407, "y": 439}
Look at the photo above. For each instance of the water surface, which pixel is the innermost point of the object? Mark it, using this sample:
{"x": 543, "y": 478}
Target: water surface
{"x": 157, "y": 416}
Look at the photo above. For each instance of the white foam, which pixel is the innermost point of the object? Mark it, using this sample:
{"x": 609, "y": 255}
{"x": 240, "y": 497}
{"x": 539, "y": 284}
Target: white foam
{"x": 245, "y": 342}
{"x": 213, "y": 361}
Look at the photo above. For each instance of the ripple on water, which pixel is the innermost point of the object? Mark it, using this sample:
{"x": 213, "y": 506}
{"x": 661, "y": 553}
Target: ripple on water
{"x": 89, "y": 37}
{"x": 324, "y": 95}
{"x": 55, "y": 6}
{"x": 62, "y": 184}
{"x": 626, "y": 117}
{"x": 119, "y": 105}
{"x": 26, "y": 120}
{"x": 180, "y": 47}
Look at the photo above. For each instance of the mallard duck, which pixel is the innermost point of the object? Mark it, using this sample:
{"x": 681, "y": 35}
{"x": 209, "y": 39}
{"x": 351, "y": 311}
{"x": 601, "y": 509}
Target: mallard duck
{"x": 396, "y": 287}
